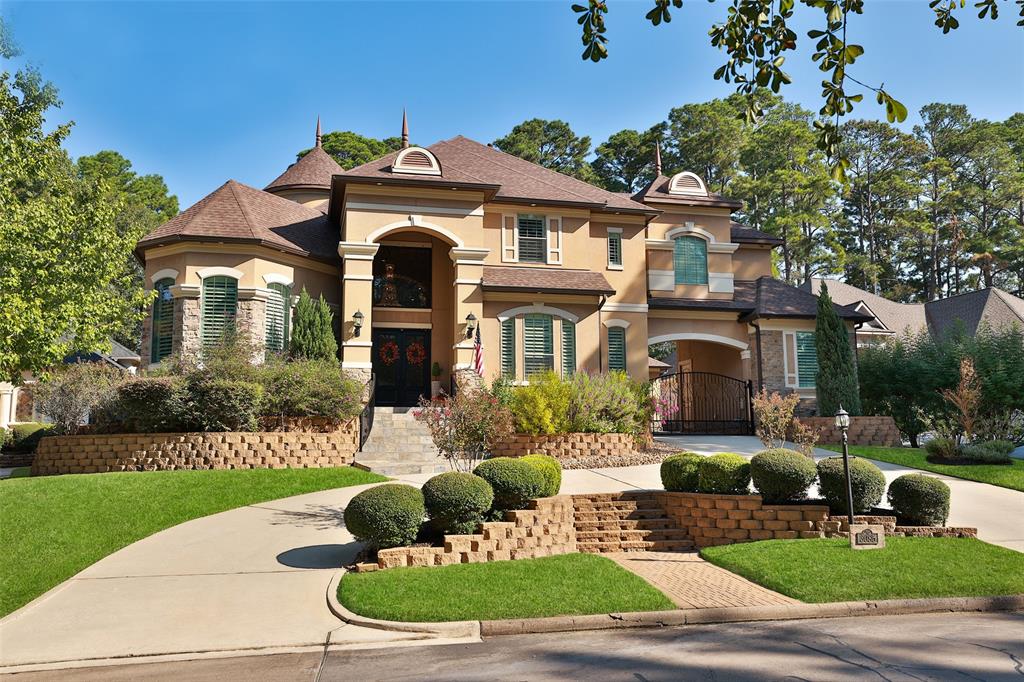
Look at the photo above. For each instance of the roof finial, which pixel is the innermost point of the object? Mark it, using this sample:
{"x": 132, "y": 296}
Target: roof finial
{"x": 319, "y": 137}
{"x": 405, "y": 130}
{"x": 657, "y": 157}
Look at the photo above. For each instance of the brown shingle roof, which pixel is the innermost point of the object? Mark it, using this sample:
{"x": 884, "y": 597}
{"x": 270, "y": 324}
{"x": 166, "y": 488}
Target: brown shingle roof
{"x": 466, "y": 162}
{"x": 544, "y": 280}
{"x": 239, "y": 213}
{"x": 992, "y": 307}
{"x": 657, "y": 190}
{"x": 892, "y": 315}
{"x": 741, "y": 234}
{"x": 312, "y": 171}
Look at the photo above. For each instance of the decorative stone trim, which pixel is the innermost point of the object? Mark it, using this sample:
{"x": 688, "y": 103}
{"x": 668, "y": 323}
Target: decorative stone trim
{"x": 863, "y": 430}
{"x": 169, "y": 451}
{"x": 563, "y": 446}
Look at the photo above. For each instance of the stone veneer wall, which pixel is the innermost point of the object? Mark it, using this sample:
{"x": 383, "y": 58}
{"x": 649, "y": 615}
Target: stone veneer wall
{"x": 862, "y": 431}
{"x": 567, "y": 445}
{"x": 166, "y": 451}
{"x": 545, "y": 529}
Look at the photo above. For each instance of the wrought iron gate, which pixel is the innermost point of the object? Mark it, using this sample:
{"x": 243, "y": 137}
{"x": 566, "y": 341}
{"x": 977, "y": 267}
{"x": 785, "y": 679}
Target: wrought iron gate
{"x": 702, "y": 403}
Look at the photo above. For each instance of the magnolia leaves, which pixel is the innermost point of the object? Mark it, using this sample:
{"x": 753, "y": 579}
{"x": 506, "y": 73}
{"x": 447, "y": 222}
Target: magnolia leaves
{"x": 592, "y": 20}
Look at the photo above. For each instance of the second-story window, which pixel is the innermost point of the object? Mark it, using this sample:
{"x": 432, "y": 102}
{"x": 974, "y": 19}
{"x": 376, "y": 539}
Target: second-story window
{"x": 690, "y": 260}
{"x": 533, "y": 243}
{"x": 614, "y": 249}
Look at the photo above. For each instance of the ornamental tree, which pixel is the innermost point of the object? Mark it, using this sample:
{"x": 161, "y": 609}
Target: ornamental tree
{"x": 836, "y": 383}
{"x": 313, "y": 329}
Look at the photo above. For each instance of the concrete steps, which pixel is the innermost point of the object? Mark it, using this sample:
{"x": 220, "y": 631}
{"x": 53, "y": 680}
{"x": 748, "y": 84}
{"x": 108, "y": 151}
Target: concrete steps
{"x": 399, "y": 445}
{"x": 626, "y": 522}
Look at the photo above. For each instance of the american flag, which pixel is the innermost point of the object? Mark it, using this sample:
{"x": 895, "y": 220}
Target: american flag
{"x": 478, "y": 353}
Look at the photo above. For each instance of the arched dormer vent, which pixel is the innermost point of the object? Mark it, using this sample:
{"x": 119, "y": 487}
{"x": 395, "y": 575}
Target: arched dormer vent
{"x": 416, "y": 160}
{"x": 687, "y": 183}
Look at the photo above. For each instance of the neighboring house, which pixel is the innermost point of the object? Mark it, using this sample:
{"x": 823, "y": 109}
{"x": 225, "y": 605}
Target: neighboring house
{"x": 417, "y": 248}
{"x": 991, "y": 307}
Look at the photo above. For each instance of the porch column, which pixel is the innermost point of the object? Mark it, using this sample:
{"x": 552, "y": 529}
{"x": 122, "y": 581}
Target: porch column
{"x": 6, "y": 404}
{"x": 357, "y": 295}
{"x": 469, "y": 271}
{"x": 185, "y": 341}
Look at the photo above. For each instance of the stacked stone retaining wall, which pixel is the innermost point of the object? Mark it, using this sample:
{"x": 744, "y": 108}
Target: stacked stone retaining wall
{"x": 863, "y": 430}
{"x": 566, "y": 446}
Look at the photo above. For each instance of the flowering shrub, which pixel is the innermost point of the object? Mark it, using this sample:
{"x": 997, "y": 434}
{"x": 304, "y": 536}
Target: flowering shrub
{"x": 584, "y": 403}
{"x": 774, "y": 414}
{"x": 466, "y": 426}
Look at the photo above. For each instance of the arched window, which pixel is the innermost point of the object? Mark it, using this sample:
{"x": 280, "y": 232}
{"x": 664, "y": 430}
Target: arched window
{"x": 219, "y": 306}
{"x": 279, "y": 313}
{"x": 163, "y": 321}
{"x": 690, "y": 260}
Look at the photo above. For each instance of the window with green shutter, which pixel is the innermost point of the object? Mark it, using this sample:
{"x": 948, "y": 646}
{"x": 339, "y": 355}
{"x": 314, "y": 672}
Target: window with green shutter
{"x": 568, "y": 348}
{"x": 616, "y": 349}
{"x": 690, "y": 260}
{"x": 615, "y": 248}
{"x": 278, "y": 317}
{"x": 508, "y": 348}
{"x": 806, "y": 359}
{"x": 538, "y": 344}
{"x": 219, "y": 305}
{"x": 163, "y": 320}
{"x": 533, "y": 241}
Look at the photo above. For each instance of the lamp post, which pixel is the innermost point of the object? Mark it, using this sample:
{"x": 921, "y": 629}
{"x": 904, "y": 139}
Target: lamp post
{"x": 843, "y": 423}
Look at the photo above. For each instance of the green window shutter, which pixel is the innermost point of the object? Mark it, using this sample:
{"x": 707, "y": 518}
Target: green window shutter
{"x": 278, "y": 314}
{"x": 690, "y": 260}
{"x": 614, "y": 248}
{"x": 568, "y": 348}
{"x": 163, "y": 320}
{"x": 806, "y": 359}
{"x": 616, "y": 349}
{"x": 538, "y": 345}
{"x": 219, "y": 305}
{"x": 533, "y": 239}
{"x": 508, "y": 348}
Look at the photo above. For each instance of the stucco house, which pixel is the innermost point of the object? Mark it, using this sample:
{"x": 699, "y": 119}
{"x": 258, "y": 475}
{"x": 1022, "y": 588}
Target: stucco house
{"x": 417, "y": 248}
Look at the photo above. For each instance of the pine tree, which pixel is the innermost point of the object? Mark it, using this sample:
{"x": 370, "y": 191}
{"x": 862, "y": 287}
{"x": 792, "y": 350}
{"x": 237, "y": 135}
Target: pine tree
{"x": 837, "y": 371}
{"x": 313, "y": 330}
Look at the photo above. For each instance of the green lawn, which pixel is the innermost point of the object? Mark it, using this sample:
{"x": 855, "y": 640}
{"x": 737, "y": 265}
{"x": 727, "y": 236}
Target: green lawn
{"x": 1004, "y": 475}
{"x": 52, "y": 527}
{"x": 908, "y": 568}
{"x": 20, "y": 472}
{"x": 569, "y": 584}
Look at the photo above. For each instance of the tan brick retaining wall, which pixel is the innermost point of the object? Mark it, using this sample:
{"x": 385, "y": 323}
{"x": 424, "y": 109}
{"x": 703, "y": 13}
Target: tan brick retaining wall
{"x": 863, "y": 430}
{"x": 166, "y": 451}
{"x": 545, "y": 529}
{"x": 563, "y": 446}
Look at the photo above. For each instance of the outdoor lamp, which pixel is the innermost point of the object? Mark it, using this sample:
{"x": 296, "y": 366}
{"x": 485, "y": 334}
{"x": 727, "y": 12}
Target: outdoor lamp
{"x": 843, "y": 424}
{"x": 357, "y": 322}
{"x": 470, "y": 325}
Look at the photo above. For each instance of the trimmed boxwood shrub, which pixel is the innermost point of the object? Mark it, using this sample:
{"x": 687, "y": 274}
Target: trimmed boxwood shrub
{"x": 680, "y": 472}
{"x": 866, "y": 479}
{"x": 725, "y": 473}
{"x": 222, "y": 404}
{"x": 550, "y": 469}
{"x": 457, "y": 501}
{"x": 919, "y": 500}
{"x": 386, "y": 516}
{"x": 782, "y": 475}
{"x": 514, "y": 482}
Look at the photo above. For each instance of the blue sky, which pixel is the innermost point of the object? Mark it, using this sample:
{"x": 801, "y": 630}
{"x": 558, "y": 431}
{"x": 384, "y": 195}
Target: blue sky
{"x": 203, "y": 92}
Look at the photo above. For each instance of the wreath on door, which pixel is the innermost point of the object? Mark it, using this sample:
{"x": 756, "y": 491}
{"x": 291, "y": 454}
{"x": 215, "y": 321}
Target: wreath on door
{"x": 388, "y": 352}
{"x": 415, "y": 353}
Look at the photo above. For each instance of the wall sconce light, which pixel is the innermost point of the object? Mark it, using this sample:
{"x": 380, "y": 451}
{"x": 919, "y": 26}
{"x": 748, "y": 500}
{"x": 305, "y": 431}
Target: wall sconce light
{"x": 357, "y": 322}
{"x": 470, "y": 325}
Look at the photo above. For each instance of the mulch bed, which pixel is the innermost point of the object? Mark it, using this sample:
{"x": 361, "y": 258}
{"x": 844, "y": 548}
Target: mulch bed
{"x": 652, "y": 454}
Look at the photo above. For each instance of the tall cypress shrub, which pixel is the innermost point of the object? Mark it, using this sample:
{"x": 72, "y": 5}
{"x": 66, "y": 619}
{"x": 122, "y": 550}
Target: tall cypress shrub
{"x": 837, "y": 371}
{"x": 313, "y": 329}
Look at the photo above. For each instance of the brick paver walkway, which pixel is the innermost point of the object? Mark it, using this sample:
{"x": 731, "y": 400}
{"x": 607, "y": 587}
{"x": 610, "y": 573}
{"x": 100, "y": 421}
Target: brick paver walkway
{"x": 693, "y": 583}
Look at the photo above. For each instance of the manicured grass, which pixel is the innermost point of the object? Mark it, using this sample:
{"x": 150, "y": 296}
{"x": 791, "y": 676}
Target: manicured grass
{"x": 52, "y": 527}
{"x": 569, "y": 584}
{"x": 1003, "y": 475}
{"x": 908, "y": 568}
{"x": 20, "y": 472}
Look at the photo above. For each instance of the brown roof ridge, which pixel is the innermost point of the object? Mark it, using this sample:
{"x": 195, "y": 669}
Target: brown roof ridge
{"x": 233, "y": 186}
{"x": 1014, "y": 303}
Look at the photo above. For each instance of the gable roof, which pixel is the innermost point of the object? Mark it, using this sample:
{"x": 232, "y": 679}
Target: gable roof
{"x": 993, "y": 307}
{"x": 468, "y": 164}
{"x": 312, "y": 171}
{"x": 892, "y": 316}
{"x": 238, "y": 213}
{"x": 544, "y": 280}
{"x": 657, "y": 191}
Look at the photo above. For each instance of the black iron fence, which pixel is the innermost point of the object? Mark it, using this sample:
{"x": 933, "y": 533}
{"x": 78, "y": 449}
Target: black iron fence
{"x": 702, "y": 403}
{"x": 366, "y": 416}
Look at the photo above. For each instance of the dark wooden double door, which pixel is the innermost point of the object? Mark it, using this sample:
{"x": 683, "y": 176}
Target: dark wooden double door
{"x": 401, "y": 366}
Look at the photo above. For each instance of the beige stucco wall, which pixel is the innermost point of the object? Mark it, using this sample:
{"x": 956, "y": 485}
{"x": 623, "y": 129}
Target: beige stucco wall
{"x": 750, "y": 262}
{"x": 314, "y": 198}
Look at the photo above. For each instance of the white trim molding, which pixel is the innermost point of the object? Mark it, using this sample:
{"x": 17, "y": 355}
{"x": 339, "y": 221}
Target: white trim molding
{"x": 463, "y": 255}
{"x": 401, "y": 325}
{"x": 616, "y": 323}
{"x": 218, "y": 271}
{"x": 356, "y": 365}
{"x": 537, "y": 308}
{"x": 357, "y": 250}
{"x": 745, "y": 355}
{"x": 357, "y": 278}
{"x": 257, "y": 293}
{"x": 468, "y": 280}
{"x": 689, "y": 229}
{"x": 687, "y": 183}
{"x": 699, "y": 336}
{"x": 661, "y": 280}
{"x": 275, "y": 278}
{"x": 186, "y": 291}
{"x": 434, "y": 167}
{"x": 410, "y": 208}
{"x": 164, "y": 274}
{"x": 415, "y": 221}
{"x": 357, "y": 344}
{"x": 720, "y": 282}
{"x": 625, "y": 308}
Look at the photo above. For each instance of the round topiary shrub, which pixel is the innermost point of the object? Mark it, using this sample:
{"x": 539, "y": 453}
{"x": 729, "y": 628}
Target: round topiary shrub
{"x": 514, "y": 482}
{"x": 919, "y": 500}
{"x": 867, "y": 481}
{"x": 725, "y": 473}
{"x": 550, "y": 469}
{"x": 456, "y": 501}
{"x": 680, "y": 472}
{"x": 386, "y": 516}
{"x": 782, "y": 475}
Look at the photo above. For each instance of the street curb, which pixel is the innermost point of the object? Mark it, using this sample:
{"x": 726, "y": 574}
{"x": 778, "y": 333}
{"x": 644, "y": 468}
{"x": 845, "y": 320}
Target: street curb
{"x": 889, "y": 607}
{"x": 453, "y": 629}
